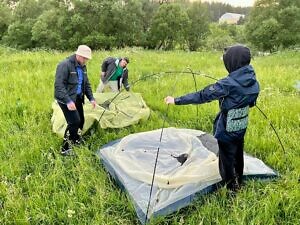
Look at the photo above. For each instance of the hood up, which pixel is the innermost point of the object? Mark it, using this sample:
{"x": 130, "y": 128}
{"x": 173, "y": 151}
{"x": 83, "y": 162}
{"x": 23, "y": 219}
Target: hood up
{"x": 236, "y": 57}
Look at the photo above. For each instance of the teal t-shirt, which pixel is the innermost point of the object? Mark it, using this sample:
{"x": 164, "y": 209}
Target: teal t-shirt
{"x": 117, "y": 73}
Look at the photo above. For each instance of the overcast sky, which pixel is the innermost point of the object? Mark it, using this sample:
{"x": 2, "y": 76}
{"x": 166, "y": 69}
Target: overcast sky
{"x": 235, "y": 2}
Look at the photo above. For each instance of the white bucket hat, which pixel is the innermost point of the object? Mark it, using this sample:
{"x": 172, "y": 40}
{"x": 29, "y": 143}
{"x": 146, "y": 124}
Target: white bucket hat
{"x": 84, "y": 51}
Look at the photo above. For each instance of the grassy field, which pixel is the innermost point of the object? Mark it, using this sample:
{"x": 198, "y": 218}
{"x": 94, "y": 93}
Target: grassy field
{"x": 39, "y": 186}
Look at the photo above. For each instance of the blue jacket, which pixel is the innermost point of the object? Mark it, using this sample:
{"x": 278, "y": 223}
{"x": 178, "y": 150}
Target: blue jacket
{"x": 66, "y": 82}
{"x": 236, "y": 93}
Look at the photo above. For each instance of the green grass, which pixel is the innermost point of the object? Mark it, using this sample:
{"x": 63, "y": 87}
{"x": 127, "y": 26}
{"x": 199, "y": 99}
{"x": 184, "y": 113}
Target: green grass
{"x": 38, "y": 186}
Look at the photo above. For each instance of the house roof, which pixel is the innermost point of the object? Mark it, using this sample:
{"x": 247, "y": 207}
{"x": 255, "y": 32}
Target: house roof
{"x": 230, "y": 17}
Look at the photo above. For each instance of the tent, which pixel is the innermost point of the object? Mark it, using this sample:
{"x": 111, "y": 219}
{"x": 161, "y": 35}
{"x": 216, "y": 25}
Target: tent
{"x": 114, "y": 110}
{"x": 187, "y": 166}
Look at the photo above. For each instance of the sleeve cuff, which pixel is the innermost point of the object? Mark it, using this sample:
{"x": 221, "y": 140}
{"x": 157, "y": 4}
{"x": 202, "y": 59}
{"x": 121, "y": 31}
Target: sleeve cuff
{"x": 177, "y": 101}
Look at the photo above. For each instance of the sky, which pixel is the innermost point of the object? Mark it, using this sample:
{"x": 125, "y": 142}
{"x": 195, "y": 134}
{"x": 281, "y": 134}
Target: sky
{"x": 243, "y": 3}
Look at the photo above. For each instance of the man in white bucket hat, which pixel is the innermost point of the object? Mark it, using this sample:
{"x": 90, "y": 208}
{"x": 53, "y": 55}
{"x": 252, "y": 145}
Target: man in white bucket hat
{"x": 84, "y": 51}
{"x": 71, "y": 85}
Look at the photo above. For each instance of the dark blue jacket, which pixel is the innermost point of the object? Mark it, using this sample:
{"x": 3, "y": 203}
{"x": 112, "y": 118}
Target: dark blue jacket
{"x": 236, "y": 93}
{"x": 66, "y": 82}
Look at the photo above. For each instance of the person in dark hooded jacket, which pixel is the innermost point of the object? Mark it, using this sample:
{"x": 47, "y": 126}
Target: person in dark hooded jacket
{"x": 236, "y": 93}
{"x": 113, "y": 74}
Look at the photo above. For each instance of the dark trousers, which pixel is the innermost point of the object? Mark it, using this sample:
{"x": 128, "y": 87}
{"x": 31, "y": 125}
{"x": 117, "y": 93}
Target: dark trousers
{"x": 75, "y": 119}
{"x": 231, "y": 162}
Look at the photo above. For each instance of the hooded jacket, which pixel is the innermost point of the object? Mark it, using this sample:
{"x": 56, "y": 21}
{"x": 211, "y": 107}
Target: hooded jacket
{"x": 66, "y": 81}
{"x": 236, "y": 93}
{"x": 109, "y": 66}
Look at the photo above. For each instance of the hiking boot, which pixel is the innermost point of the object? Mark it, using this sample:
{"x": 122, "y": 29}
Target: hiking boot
{"x": 233, "y": 185}
{"x": 66, "y": 148}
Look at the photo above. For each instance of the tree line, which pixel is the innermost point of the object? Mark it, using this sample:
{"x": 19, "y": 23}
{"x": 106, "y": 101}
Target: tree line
{"x": 167, "y": 25}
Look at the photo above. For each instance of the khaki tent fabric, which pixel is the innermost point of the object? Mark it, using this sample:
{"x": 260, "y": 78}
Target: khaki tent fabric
{"x": 126, "y": 109}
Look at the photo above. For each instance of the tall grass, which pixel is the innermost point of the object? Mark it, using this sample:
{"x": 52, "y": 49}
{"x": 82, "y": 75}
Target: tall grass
{"x": 38, "y": 186}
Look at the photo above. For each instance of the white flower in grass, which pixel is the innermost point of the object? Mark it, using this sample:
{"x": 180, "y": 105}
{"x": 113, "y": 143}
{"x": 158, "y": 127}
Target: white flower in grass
{"x": 70, "y": 213}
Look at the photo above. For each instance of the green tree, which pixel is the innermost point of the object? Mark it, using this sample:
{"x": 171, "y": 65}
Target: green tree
{"x": 289, "y": 20}
{"x": 88, "y": 24}
{"x": 131, "y": 25}
{"x": 47, "y": 32}
{"x": 19, "y": 31}
{"x": 274, "y": 23}
{"x": 198, "y": 27}
{"x": 19, "y": 34}
{"x": 5, "y": 18}
{"x": 168, "y": 27}
{"x": 219, "y": 37}
{"x": 267, "y": 35}
{"x": 27, "y": 9}
{"x": 124, "y": 23}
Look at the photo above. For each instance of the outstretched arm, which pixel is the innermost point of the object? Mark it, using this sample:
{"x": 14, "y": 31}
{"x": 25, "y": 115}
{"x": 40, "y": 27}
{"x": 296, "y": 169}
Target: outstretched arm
{"x": 209, "y": 93}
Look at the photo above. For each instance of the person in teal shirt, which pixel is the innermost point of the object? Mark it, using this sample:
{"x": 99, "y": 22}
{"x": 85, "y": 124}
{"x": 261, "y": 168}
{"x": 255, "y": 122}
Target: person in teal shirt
{"x": 113, "y": 74}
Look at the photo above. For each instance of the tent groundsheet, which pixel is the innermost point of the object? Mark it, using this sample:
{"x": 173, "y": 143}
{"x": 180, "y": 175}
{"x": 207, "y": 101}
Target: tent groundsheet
{"x": 114, "y": 111}
{"x": 187, "y": 165}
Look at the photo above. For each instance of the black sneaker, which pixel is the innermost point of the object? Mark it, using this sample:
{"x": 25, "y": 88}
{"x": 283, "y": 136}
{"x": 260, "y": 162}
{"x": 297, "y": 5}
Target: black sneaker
{"x": 66, "y": 148}
{"x": 233, "y": 185}
{"x": 67, "y": 152}
{"x": 79, "y": 141}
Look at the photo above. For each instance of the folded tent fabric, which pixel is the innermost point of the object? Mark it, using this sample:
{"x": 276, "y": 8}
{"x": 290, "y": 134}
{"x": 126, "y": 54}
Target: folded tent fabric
{"x": 124, "y": 110}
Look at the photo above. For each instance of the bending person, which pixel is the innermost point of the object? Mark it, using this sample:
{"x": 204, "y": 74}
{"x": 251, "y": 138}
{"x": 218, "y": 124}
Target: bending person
{"x": 114, "y": 73}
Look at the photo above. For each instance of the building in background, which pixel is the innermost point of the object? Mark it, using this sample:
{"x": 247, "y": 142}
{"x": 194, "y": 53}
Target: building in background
{"x": 231, "y": 18}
